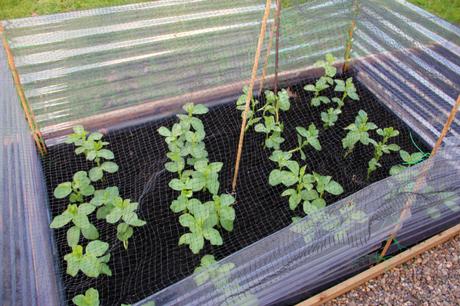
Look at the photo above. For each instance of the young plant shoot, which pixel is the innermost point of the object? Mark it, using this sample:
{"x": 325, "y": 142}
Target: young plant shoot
{"x": 349, "y": 91}
{"x": 93, "y": 259}
{"x": 189, "y": 160}
{"x": 408, "y": 161}
{"x": 92, "y": 262}
{"x": 358, "y": 132}
{"x": 347, "y": 87}
{"x": 306, "y": 137}
{"x": 92, "y": 146}
{"x": 77, "y": 212}
{"x": 382, "y": 147}
{"x": 114, "y": 209}
{"x": 241, "y": 104}
{"x": 323, "y": 82}
{"x": 90, "y": 298}
{"x": 271, "y": 125}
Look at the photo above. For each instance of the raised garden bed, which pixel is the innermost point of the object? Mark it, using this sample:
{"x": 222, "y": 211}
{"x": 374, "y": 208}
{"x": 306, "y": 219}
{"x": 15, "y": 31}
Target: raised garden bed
{"x": 154, "y": 260}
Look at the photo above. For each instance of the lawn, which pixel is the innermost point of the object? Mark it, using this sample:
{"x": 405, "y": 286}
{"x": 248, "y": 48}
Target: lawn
{"x": 24, "y": 8}
{"x": 447, "y": 9}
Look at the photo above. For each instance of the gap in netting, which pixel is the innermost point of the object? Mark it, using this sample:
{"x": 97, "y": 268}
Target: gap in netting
{"x": 154, "y": 260}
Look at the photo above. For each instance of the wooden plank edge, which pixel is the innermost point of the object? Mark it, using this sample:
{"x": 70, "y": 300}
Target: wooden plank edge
{"x": 381, "y": 268}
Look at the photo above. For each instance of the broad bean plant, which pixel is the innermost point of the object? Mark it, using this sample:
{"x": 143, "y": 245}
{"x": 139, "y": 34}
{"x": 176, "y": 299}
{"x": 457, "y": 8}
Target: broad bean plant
{"x": 188, "y": 159}
{"x": 308, "y": 188}
{"x": 409, "y": 159}
{"x": 347, "y": 88}
{"x": 382, "y": 147}
{"x": 358, "y": 132}
{"x": 271, "y": 125}
{"x": 83, "y": 200}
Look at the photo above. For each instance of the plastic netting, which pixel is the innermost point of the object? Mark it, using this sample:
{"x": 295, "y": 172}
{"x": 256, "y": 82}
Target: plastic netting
{"x": 127, "y": 71}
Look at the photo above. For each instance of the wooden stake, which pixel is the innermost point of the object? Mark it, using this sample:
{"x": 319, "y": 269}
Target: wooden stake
{"x": 36, "y": 134}
{"x": 419, "y": 182}
{"x": 267, "y": 56}
{"x": 250, "y": 92}
{"x": 351, "y": 30}
{"x": 381, "y": 268}
{"x": 277, "y": 22}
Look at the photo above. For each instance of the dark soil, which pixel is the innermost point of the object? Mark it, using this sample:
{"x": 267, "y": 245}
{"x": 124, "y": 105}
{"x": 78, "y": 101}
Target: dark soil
{"x": 154, "y": 260}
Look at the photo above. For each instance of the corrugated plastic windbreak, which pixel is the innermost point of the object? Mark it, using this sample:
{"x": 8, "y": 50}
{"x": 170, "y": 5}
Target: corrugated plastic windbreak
{"x": 78, "y": 64}
{"x": 27, "y": 276}
{"x": 328, "y": 244}
{"x": 410, "y": 59}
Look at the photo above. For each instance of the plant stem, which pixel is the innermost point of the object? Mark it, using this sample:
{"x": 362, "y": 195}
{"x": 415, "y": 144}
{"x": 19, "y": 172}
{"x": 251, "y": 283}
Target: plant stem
{"x": 349, "y": 151}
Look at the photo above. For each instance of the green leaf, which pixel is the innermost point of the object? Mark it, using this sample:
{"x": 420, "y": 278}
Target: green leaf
{"x": 81, "y": 220}
{"x": 187, "y": 220}
{"x": 310, "y": 87}
{"x": 62, "y": 190}
{"x": 396, "y": 169}
{"x": 104, "y": 153}
{"x": 90, "y": 266}
{"x": 353, "y": 96}
{"x": 103, "y": 211}
{"x": 196, "y": 243}
{"x": 109, "y": 167}
{"x": 227, "y": 212}
{"x": 286, "y": 178}
{"x": 114, "y": 216}
{"x": 176, "y": 184}
{"x": 97, "y": 248}
{"x": 334, "y": 188}
{"x": 86, "y": 209}
{"x": 124, "y": 232}
{"x": 60, "y": 220}
{"x": 319, "y": 203}
{"x": 393, "y": 147}
{"x": 294, "y": 201}
{"x": 227, "y": 199}
{"x": 165, "y": 132}
{"x": 73, "y": 236}
{"x": 91, "y": 298}
{"x": 213, "y": 186}
{"x": 90, "y": 232}
{"x": 213, "y": 236}
{"x": 95, "y": 174}
{"x": 227, "y": 225}
{"x": 179, "y": 205}
{"x": 284, "y": 100}
{"x": 200, "y": 109}
{"x": 80, "y": 177}
{"x": 133, "y": 220}
{"x": 87, "y": 190}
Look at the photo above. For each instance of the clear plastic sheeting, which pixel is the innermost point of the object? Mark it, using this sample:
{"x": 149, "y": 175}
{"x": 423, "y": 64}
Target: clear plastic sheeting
{"x": 323, "y": 246}
{"x": 28, "y": 276}
{"x": 127, "y": 70}
{"x": 76, "y": 65}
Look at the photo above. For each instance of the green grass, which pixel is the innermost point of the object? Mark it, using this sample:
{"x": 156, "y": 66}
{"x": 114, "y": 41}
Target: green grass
{"x": 447, "y": 9}
{"x": 9, "y": 9}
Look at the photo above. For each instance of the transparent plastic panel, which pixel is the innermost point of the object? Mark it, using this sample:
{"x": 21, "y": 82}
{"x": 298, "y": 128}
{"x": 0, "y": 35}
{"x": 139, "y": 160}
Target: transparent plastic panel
{"x": 326, "y": 244}
{"x": 410, "y": 60}
{"x": 126, "y": 71}
{"x": 28, "y": 275}
{"x": 76, "y": 65}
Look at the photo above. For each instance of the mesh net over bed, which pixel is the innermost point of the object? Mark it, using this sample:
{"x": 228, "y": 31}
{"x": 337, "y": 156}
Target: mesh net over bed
{"x": 126, "y": 71}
